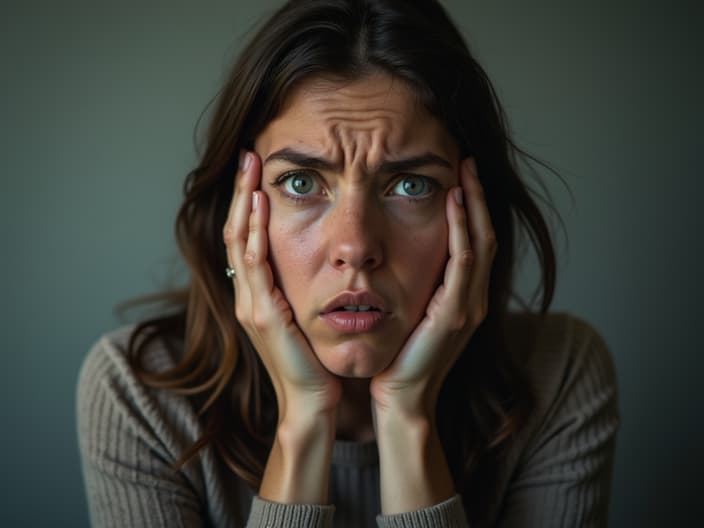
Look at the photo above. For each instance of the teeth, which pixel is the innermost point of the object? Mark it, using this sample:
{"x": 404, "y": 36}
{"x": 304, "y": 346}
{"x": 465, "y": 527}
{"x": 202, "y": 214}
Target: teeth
{"x": 355, "y": 308}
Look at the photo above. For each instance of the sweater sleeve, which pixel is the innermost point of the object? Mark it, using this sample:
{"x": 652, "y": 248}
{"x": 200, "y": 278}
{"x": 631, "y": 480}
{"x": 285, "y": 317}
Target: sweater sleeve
{"x": 266, "y": 514}
{"x": 564, "y": 475}
{"x": 126, "y": 466}
{"x": 447, "y": 514}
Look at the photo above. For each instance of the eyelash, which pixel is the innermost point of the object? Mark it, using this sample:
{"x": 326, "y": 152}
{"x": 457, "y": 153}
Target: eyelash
{"x": 430, "y": 182}
{"x": 280, "y": 180}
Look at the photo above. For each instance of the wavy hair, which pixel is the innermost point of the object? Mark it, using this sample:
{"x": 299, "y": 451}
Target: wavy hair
{"x": 415, "y": 42}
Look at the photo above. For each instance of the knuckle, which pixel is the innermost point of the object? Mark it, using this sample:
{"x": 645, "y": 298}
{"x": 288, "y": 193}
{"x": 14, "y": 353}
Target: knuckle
{"x": 250, "y": 259}
{"x": 228, "y": 234}
{"x": 260, "y": 320}
{"x": 253, "y": 224}
{"x": 466, "y": 257}
{"x": 458, "y": 322}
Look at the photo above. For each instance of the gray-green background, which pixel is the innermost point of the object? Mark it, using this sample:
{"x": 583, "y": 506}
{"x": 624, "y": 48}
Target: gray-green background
{"x": 98, "y": 102}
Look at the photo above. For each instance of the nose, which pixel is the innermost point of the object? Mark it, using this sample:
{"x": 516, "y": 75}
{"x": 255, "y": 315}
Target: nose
{"x": 354, "y": 232}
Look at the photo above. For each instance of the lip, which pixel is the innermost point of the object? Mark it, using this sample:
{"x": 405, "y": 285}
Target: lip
{"x": 355, "y": 322}
{"x": 349, "y": 298}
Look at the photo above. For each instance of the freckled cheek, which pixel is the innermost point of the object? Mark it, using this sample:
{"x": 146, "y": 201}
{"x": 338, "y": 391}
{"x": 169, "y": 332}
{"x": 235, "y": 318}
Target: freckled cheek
{"x": 292, "y": 254}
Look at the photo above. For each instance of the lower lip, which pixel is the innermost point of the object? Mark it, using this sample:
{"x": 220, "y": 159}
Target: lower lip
{"x": 354, "y": 322}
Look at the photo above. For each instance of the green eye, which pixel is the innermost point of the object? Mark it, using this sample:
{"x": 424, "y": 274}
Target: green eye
{"x": 412, "y": 186}
{"x": 299, "y": 184}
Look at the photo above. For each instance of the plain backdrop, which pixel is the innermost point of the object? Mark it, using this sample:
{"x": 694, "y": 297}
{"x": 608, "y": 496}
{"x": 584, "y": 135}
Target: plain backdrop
{"x": 98, "y": 103}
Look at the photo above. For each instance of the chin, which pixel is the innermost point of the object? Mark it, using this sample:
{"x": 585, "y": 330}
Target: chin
{"x": 353, "y": 360}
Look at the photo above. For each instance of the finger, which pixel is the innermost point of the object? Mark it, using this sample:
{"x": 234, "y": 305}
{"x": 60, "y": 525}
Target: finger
{"x": 460, "y": 264}
{"x": 256, "y": 266}
{"x": 236, "y": 228}
{"x": 243, "y": 186}
{"x": 481, "y": 232}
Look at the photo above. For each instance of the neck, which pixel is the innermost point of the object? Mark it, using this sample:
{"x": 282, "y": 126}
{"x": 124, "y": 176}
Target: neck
{"x": 354, "y": 415}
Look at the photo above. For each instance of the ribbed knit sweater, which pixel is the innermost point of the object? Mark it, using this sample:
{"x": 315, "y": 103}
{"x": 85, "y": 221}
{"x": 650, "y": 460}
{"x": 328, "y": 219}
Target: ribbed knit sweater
{"x": 558, "y": 472}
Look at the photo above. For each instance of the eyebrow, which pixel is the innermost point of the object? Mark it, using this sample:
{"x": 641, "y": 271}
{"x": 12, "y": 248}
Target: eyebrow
{"x": 389, "y": 166}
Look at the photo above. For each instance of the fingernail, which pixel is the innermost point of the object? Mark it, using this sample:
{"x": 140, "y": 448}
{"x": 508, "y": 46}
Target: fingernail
{"x": 245, "y": 160}
{"x": 457, "y": 195}
{"x": 255, "y": 201}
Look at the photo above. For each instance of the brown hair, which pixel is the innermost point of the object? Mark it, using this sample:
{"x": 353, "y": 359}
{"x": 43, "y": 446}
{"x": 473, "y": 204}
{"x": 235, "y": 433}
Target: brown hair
{"x": 416, "y": 42}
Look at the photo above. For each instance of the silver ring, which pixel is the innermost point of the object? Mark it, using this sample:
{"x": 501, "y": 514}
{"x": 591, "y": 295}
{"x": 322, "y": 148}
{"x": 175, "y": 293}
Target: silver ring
{"x": 230, "y": 272}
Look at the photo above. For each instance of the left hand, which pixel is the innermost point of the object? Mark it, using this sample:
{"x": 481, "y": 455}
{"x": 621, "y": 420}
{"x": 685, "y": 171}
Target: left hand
{"x": 412, "y": 382}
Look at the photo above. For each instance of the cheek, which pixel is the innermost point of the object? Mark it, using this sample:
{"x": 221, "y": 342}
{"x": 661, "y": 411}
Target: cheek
{"x": 292, "y": 254}
{"x": 420, "y": 257}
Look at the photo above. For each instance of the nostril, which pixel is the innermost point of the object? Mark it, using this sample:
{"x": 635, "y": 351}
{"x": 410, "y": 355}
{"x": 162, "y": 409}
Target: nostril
{"x": 372, "y": 262}
{"x": 358, "y": 256}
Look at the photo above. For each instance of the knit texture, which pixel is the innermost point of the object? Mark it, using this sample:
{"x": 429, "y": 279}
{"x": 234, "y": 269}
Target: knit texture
{"x": 557, "y": 472}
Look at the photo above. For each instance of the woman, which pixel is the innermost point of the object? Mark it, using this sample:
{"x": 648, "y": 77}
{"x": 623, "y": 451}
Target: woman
{"x": 356, "y": 364}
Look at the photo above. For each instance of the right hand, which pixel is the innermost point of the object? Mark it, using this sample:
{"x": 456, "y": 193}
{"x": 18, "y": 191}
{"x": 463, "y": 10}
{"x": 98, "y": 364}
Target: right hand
{"x": 301, "y": 382}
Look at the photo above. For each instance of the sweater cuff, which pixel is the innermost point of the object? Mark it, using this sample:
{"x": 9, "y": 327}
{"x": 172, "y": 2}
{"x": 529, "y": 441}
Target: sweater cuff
{"x": 265, "y": 514}
{"x": 447, "y": 514}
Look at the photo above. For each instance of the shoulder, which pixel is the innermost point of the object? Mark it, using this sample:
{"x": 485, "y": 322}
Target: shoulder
{"x": 108, "y": 371}
{"x": 113, "y": 404}
{"x": 104, "y": 369}
{"x": 572, "y": 372}
{"x": 558, "y": 345}
{"x": 109, "y": 358}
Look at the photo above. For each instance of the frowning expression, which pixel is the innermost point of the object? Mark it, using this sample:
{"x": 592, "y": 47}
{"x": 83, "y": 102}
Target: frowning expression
{"x": 356, "y": 174}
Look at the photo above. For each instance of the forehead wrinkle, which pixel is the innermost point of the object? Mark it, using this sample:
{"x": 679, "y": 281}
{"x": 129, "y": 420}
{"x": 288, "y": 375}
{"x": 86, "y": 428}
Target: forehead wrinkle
{"x": 364, "y": 143}
{"x": 335, "y": 109}
{"x": 327, "y": 94}
{"x": 363, "y": 124}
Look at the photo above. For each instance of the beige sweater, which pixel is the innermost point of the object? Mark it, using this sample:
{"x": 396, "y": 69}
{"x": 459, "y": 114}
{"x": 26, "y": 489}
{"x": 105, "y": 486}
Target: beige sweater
{"x": 558, "y": 473}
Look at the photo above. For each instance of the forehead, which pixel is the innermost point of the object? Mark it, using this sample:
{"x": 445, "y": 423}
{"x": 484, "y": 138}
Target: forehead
{"x": 377, "y": 111}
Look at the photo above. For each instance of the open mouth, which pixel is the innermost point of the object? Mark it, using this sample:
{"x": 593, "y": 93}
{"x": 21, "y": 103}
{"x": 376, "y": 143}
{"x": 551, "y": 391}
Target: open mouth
{"x": 360, "y": 304}
{"x": 356, "y": 308}
{"x": 355, "y": 318}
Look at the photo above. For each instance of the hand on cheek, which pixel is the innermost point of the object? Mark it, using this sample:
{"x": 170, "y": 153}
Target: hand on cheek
{"x": 307, "y": 395}
{"x": 413, "y": 466}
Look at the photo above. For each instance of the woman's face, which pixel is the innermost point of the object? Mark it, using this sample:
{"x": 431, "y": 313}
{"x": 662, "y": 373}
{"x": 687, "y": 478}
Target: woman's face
{"x": 356, "y": 175}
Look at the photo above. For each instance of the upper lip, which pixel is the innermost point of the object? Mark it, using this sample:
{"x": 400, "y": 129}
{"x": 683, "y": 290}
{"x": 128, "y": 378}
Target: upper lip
{"x": 359, "y": 298}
